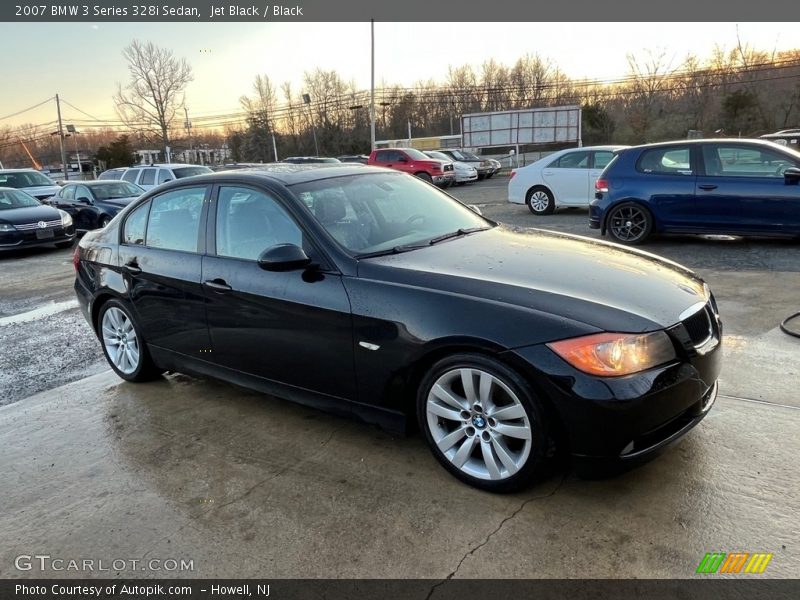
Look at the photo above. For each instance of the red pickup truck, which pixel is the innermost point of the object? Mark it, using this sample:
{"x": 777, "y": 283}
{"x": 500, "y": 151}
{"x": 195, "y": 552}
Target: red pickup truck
{"x": 414, "y": 162}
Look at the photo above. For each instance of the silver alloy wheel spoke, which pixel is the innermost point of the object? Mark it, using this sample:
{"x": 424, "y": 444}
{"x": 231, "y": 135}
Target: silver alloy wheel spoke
{"x": 447, "y": 396}
{"x": 489, "y": 460}
{"x": 468, "y": 407}
{"x": 464, "y": 451}
{"x": 451, "y": 439}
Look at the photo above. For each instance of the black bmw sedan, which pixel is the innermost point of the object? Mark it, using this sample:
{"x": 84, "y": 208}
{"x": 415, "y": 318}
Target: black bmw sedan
{"x": 26, "y": 222}
{"x": 92, "y": 204}
{"x": 369, "y": 293}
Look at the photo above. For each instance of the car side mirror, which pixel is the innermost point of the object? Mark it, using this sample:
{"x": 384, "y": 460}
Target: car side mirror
{"x": 85, "y": 200}
{"x": 283, "y": 257}
{"x": 792, "y": 175}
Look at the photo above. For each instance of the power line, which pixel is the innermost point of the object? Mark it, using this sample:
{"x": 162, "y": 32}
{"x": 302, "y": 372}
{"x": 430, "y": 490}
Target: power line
{"x": 24, "y": 110}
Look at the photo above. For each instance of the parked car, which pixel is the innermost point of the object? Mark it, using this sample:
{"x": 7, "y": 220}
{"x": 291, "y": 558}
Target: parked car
{"x": 26, "y": 222}
{"x": 355, "y": 158}
{"x": 93, "y": 204}
{"x": 149, "y": 176}
{"x": 412, "y": 161}
{"x": 483, "y": 166}
{"x": 465, "y": 173}
{"x": 369, "y": 293}
{"x": 30, "y": 181}
{"x": 307, "y": 160}
{"x": 725, "y": 186}
{"x": 564, "y": 178}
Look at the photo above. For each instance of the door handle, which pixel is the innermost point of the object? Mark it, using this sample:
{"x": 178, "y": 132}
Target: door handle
{"x": 132, "y": 267}
{"x": 707, "y": 186}
{"x": 218, "y": 285}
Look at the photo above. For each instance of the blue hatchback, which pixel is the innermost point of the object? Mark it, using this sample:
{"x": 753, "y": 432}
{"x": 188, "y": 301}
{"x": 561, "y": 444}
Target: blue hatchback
{"x": 725, "y": 186}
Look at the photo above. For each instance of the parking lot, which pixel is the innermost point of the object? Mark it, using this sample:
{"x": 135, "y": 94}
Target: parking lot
{"x": 245, "y": 485}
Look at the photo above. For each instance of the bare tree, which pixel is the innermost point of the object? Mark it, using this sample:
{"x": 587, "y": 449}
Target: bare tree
{"x": 155, "y": 93}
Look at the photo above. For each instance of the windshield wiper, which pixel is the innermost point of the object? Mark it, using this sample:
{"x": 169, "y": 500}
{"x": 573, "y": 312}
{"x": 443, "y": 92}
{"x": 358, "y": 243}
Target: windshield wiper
{"x": 458, "y": 233}
{"x": 395, "y": 250}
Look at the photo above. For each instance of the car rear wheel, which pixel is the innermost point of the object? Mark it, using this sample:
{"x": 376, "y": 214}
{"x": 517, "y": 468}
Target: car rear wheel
{"x": 482, "y": 422}
{"x": 123, "y": 344}
{"x": 630, "y": 223}
{"x": 540, "y": 201}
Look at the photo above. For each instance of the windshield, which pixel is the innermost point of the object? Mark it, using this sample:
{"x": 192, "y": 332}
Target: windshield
{"x": 24, "y": 179}
{"x": 415, "y": 154}
{"x": 182, "y": 172}
{"x": 122, "y": 189}
{"x": 15, "y": 199}
{"x": 439, "y": 155}
{"x": 381, "y": 211}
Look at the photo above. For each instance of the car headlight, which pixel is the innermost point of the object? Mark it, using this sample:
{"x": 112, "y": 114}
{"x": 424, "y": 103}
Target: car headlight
{"x": 66, "y": 219}
{"x": 4, "y": 227}
{"x": 615, "y": 354}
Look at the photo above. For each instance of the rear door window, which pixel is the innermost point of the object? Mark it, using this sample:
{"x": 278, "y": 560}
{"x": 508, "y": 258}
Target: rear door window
{"x": 174, "y": 221}
{"x": 669, "y": 160}
{"x": 130, "y": 175}
{"x": 148, "y": 177}
{"x": 135, "y": 226}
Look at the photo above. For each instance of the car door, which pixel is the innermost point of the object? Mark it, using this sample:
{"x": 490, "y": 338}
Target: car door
{"x": 147, "y": 179}
{"x": 160, "y": 257}
{"x": 82, "y": 213}
{"x": 666, "y": 178}
{"x": 292, "y": 327}
{"x": 742, "y": 189}
{"x": 568, "y": 178}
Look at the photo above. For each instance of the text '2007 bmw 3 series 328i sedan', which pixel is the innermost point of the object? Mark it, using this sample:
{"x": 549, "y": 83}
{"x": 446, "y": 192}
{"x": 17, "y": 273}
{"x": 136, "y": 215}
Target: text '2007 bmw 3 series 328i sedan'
{"x": 367, "y": 292}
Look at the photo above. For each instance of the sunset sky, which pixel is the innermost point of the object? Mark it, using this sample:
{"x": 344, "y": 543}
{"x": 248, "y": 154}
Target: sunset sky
{"x": 83, "y": 61}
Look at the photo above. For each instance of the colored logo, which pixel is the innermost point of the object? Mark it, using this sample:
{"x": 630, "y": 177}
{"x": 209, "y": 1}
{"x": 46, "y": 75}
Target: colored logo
{"x": 734, "y": 562}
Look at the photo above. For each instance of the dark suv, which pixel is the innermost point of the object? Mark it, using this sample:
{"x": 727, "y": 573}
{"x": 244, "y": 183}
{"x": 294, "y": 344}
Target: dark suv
{"x": 722, "y": 186}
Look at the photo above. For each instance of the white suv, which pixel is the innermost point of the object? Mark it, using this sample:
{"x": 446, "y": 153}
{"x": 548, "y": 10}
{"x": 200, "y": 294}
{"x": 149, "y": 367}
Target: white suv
{"x": 149, "y": 176}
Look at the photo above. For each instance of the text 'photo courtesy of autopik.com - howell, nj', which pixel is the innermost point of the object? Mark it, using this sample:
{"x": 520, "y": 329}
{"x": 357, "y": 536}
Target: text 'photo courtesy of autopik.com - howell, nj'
{"x": 417, "y": 301}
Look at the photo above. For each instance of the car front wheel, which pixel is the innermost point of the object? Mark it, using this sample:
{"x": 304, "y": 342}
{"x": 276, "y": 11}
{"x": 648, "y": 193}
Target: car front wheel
{"x": 123, "y": 344}
{"x": 483, "y": 423}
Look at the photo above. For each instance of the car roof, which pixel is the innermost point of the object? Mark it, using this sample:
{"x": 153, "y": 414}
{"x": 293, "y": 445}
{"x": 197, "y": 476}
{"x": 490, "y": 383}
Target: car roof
{"x": 164, "y": 165}
{"x": 20, "y": 171}
{"x": 95, "y": 182}
{"x": 748, "y": 141}
{"x": 290, "y": 174}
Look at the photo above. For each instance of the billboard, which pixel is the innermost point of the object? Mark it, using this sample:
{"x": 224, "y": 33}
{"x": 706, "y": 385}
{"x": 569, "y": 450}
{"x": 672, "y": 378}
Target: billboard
{"x": 554, "y": 124}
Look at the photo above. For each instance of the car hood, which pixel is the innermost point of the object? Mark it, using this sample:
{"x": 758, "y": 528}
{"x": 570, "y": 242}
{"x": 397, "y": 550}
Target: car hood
{"x": 462, "y": 166}
{"x": 29, "y": 214}
{"x": 41, "y": 191}
{"x": 597, "y": 283}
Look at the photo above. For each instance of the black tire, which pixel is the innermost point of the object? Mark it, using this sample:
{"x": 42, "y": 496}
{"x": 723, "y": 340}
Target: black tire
{"x": 629, "y": 223}
{"x": 145, "y": 370}
{"x": 425, "y": 177}
{"x": 540, "y": 201}
{"x": 528, "y": 457}
{"x": 103, "y": 221}
{"x": 68, "y": 244}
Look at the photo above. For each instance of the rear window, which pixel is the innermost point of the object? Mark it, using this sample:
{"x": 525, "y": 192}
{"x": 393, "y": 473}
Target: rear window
{"x": 671, "y": 160}
{"x": 182, "y": 172}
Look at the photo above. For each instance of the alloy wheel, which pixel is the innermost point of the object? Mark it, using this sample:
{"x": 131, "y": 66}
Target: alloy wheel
{"x": 120, "y": 340}
{"x": 539, "y": 201}
{"x": 479, "y": 424}
{"x": 629, "y": 223}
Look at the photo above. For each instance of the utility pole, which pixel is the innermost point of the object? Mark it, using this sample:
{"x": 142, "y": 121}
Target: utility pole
{"x": 187, "y": 124}
{"x": 61, "y": 139}
{"x": 372, "y": 87}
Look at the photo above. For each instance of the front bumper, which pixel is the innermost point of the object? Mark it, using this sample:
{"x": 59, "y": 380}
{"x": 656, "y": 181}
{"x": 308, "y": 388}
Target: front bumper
{"x": 626, "y": 418}
{"x": 30, "y": 238}
{"x": 444, "y": 179}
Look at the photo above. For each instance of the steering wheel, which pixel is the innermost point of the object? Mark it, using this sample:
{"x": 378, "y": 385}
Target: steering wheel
{"x": 416, "y": 217}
